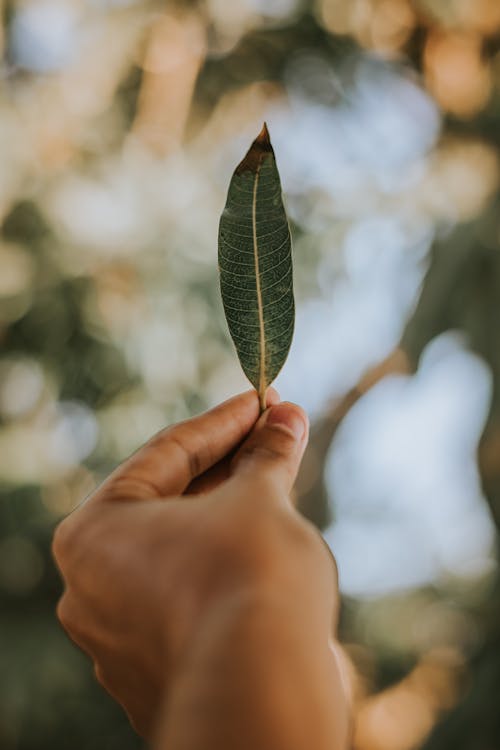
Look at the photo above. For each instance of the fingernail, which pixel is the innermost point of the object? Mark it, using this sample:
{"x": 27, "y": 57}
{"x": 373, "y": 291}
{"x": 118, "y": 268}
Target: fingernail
{"x": 287, "y": 415}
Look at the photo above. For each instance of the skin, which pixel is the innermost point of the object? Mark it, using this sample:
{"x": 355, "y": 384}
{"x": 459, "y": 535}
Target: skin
{"x": 206, "y": 602}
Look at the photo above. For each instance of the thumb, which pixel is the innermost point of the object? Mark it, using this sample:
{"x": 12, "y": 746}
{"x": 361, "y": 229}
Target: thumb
{"x": 272, "y": 452}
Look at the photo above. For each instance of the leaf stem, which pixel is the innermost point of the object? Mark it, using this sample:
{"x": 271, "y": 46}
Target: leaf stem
{"x": 262, "y": 399}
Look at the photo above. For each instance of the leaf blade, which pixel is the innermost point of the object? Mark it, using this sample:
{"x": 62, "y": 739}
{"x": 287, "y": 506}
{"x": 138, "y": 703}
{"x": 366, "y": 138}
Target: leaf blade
{"x": 255, "y": 266}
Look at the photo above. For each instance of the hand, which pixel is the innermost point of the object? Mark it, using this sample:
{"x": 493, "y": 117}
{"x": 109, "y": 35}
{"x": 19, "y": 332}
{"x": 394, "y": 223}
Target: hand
{"x": 193, "y": 529}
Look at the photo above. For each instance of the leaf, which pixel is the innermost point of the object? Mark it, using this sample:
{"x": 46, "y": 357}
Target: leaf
{"x": 255, "y": 265}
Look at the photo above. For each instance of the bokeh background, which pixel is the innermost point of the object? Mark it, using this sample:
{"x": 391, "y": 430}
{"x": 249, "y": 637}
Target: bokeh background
{"x": 120, "y": 125}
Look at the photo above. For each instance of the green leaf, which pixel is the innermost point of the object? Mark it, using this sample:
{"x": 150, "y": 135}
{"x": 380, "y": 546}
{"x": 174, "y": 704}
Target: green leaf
{"x": 255, "y": 265}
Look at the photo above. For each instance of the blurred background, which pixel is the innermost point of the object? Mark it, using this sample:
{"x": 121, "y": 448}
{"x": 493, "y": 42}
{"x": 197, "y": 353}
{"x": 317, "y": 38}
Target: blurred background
{"x": 120, "y": 125}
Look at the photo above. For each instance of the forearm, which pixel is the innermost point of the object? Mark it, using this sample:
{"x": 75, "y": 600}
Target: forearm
{"x": 256, "y": 677}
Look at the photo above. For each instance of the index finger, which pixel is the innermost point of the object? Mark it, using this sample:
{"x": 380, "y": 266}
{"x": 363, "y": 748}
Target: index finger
{"x": 167, "y": 464}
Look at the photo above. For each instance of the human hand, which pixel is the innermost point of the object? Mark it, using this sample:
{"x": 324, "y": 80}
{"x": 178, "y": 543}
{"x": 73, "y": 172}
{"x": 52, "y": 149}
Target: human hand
{"x": 183, "y": 532}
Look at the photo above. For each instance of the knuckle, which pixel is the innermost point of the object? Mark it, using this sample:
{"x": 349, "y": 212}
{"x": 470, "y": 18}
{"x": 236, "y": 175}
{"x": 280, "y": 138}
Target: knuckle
{"x": 293, "y": 534}
{"x": 76, "y": 623}
{"x": 306, "y": 536}
{"x": 77, "y": 538}
{"x": 264, "y": 454}
{"x": 102, "y": 676}
{"x": 64, "y": 612}
{"x": 315, "y": 548}
{"x": 190, "y": 444}
{"x": 275, "y": 442}
{"x": 107, "y": 679}
{"x": 298, "y": 538}
{"x": 62, "y": 542}
{"x": 281, "y": 438}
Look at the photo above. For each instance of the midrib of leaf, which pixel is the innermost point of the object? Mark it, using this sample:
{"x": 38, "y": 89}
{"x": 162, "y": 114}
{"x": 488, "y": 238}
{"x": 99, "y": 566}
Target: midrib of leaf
{"x": 260, "y": 308}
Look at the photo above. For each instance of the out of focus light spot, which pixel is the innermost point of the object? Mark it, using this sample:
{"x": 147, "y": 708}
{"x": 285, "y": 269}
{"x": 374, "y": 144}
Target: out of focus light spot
{"x": 482, "y": 15}
{"x": 101, "y": 214}
{"x": 73, "y": 435}
{"x": 44, "y": 36}
{"x": 392, "y": 24}
{"x": 456, "y": 74}
{"x": 21, "y": 385}
{"x": 226, "y": 379}
{"x": 459, "y": 15}
{"x": 111, "y": 3}
{"x": 13, "y": 308}
{"x": 2, "y": 40}
{"x": 118, "y": 301}
{"x": 440, "y": 624}
{"x": 275, "y": 8}
{"x": 17, "y": 270}
{"x": 418, "y": 621}
{"x": 230, "y": 22}
{"x": 130, "y": 420}
{"x": 403, "y": 476}
{"x": 49, "y": 445}
{"x": 383, "y": 25}
{"x": 165, "y": 357}
{"x": 312, "y": 79}
{"x": 459, "y": 178}
{"x": 21, "y": 565}
{"x": 233, "y": 124}
{"x": 335, "y": 15}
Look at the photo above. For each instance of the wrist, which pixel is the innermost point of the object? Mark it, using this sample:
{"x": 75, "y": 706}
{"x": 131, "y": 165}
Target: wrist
{"x": 255, "y": 674}
{"x": 245, "y": 606}
{"x": 198, "y": 617}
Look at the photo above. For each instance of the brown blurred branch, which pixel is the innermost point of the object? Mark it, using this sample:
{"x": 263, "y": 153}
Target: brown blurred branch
{"x": 174, "y": 54}
{"x": 312, "y": 494}
{"x": 462, "y": 291}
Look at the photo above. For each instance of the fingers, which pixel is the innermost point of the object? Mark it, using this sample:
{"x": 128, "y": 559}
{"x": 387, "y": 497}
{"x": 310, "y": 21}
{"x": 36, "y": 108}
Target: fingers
{"x": 171, "y": 460}
{"x": 211, "y": 479}
{"x": 270, "y": 457}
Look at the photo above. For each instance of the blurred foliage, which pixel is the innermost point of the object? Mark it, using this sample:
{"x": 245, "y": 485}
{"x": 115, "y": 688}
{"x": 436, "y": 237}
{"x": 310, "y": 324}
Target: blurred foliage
{"x": 120, "y": 123}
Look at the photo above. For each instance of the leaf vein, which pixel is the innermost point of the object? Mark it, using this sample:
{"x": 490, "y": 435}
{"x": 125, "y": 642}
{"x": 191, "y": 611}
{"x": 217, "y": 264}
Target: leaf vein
{"x": 235, "y": 322}
{"x": 262, "y": 257}
{"x": 275, "y": 283}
